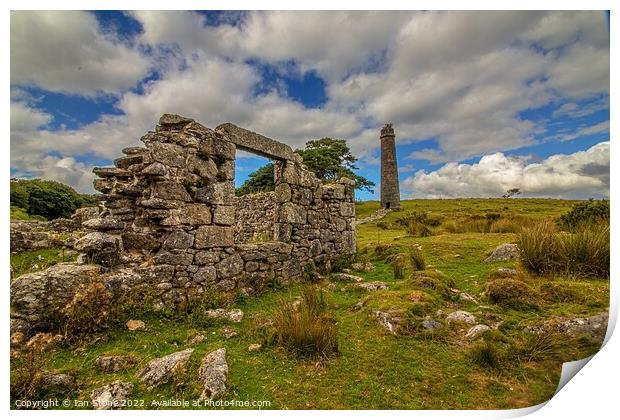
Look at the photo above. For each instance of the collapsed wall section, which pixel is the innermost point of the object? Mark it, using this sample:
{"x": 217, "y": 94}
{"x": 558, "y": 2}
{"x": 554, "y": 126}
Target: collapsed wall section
{"x": 171, "y": 222}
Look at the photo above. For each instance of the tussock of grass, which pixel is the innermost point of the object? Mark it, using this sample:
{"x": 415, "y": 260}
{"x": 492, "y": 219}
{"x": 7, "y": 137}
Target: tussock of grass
{"x": 510, "y": 293}
{"x": 305, "y": 329}
{"x": 538, "y": 347}
{"x": 485, "y": 354}
{"x": 433, "y": 280}
{"x": 417, "y": 259}
{"x": 398, "y": 265}
{"x": 586, "y": 252}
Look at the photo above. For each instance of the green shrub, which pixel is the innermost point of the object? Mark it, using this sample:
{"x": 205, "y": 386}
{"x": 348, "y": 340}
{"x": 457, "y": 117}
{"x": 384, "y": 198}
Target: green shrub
{"x": 486, "y": 355}
{"x": 417, "y": 259}
{"x": 538, "y": 248}
{"x": 305, "y": 329}
{"x": 398, "y": 265}
{"x": 585, "y": 252}
{"x": 588, "y": 212}
{"x": 510, "y": 293}
{"x": 48, "y": 199}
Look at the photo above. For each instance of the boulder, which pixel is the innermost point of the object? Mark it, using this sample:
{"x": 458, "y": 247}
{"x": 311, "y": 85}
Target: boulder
{"x": 371, "y": 286}
{"x": 389, "y": 321}
{"x": 430, "y": 325}
{"x": 503, "y": 252}
{"x": 350, "y": 278}
{"x": 37, "y": 296}
{"x": 114, "y": 363}
{"x": 160, "y": 370}
{"x": 111, "y": 396}
{"x": 461, "y": 316}
{"x": 58, "y": 382}
{"x": 476, "y": 330}
{"x": 234, "y": 315}
{"x": 212, "y": 373}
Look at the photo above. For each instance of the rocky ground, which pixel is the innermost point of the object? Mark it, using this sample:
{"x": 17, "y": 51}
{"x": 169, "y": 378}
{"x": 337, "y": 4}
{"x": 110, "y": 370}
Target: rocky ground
{"x": 408, "y": 342}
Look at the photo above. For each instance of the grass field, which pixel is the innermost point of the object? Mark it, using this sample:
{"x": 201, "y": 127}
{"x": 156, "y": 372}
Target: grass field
{"x": 375, "y": 369}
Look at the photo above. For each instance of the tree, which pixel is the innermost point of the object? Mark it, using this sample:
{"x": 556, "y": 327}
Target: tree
{"x": 512, "y": 192}
{"x": 260, "y": 180}
{"x": 49, "y": 199}
{"x": 329, "y": 159}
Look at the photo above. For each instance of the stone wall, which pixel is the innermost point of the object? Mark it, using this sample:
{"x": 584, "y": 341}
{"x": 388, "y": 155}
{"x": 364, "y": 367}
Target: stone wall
{"x": 255, "y": 217}
{"x": 170, "y": 217}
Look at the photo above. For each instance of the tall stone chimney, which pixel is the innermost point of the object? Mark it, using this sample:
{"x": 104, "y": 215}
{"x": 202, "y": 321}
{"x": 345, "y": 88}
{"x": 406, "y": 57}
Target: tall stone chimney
{"x": 390, "y": 193}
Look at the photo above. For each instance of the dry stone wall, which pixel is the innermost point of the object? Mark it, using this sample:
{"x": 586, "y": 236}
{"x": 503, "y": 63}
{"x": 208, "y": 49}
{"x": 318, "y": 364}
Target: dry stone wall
{"x": 172, "y": 223}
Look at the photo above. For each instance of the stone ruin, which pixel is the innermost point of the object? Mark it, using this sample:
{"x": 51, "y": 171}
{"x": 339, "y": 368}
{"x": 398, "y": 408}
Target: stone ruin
{"x": 172, "y": 223}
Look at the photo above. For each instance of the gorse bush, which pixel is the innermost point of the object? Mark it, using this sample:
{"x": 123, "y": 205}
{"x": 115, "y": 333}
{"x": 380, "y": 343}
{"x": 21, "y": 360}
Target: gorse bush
{"x": 305, "y": 328}
{"x": 588, "y": 212}
{"x": 417, "y": 259}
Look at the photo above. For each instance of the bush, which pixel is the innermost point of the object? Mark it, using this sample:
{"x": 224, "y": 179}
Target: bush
{"x": 586, "y": 252}
{"x": 27, "y": 366}
{"x": 88, "y": 312}
{"x": 305, "y": 329}
{"x": 398, "y": 265}
{"x": 485, "y": 354}
{"x": 510, "y": 293}
{"x": 538, "y": 248}
{"x": 48, "y": 199}
{"x": 588, "y": 212}
{"x": 417, "y": 259}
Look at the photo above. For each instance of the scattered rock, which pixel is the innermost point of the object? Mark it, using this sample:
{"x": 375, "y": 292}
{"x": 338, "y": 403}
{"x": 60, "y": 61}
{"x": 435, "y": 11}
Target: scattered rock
{"x": 365, "y": 266}
{"x": 476, "y": 330}
{"x": 111, "y": 396}
{"x": 136, "y": 325}
{"x": 503, "y": 252}
{"x": 594, "y": 326}
{"x": 373, "y": 285}
{"x": 58, "y": 382}
{"x": 254, "y": 347}
{"x": 430, "y": 325}
{"x": 160, "y": 370}
{"x": 198, "y": 338}
{"x": 234, "y": 315}
{"x": 387, "y": 320}
{"x": 461, "y": 316}
{"x": 467, "y": 297}
{"x": 114, "y": 363}
{"x": 212, "y": 373}
{"x": 507, "y": 272}
{"x": 228, "y": 332}
{"x": 350, "y": 278}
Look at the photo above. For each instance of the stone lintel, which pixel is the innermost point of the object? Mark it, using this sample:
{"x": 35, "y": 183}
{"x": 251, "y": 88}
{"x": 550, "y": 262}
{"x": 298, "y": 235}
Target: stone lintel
{"x": 256, "y": 143}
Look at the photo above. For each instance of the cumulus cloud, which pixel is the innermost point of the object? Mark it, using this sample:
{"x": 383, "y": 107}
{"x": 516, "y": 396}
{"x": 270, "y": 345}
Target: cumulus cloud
{"x": 64, "y": 51}
{"x": 460, "y": 78}
{"x": 579, "y": 175}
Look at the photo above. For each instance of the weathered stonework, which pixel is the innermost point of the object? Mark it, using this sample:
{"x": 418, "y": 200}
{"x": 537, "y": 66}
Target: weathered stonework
{"x": 171, "y": 222}
{"x": 390, "y": 192}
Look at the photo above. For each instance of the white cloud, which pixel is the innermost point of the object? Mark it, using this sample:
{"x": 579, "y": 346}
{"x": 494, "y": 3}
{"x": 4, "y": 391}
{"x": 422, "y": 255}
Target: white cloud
{"x": 461, "y": 78}
{"x": 579, "y": 175}
{"x": 64, "y": 51}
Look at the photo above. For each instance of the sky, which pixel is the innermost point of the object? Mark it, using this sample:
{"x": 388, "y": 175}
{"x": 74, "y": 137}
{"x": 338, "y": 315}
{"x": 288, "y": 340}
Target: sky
{"x": 481, "y": 102}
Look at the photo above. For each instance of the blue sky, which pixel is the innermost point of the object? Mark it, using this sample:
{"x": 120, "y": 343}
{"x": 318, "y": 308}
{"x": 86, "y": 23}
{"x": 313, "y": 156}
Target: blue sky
{"x": 481, "y": 102}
